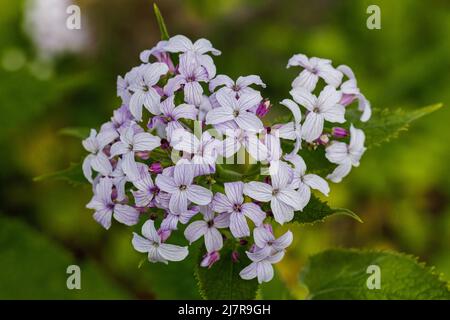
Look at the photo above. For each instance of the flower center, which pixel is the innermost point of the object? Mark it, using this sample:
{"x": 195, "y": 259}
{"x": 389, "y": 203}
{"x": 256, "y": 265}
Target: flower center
{"x": 237, "y": 207}
{"x": 145, "y": 88}
{"x": 210, "y": 223}
{"x": 183, "y": 187}
{"x": 275, "y": 192}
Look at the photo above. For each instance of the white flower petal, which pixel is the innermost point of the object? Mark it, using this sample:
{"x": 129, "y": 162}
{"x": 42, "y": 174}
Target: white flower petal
{"x": 195, "y": 230}
{"x": 144, "y": 141}
{"x": 317, "y": 183}
{"x": 341, "y": 171}
{"x": 254, "y": 213}
{"x": 312, "y": 127}
{"x": 199, "y": 195}
{"x": 281, "y": 211}
{"x": 283, "y": 242}
{"x": 172, "y": 252}
{"x": 234, "y": 192}
{"x": 249, "y": 272}
{"x": 126, "y": 214}
{"x": 213, "y": 240}
{"x": 264, "y": 271}
{"x": 248, "y": 121}
{"x": 258, "y": 190}
{"x": 303, "y": 97}
{"x": 238, "y": 225}
{"x": 140, "y": 244}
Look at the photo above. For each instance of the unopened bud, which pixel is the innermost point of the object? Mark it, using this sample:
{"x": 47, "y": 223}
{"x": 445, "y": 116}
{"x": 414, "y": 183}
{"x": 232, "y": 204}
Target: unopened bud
{"x": 155, "y": 168}
{"x": 235, "y": 256}
{"x": 339, "y": 132}
{"x": 263, "y": 108}
{"x": 209, "y": 259}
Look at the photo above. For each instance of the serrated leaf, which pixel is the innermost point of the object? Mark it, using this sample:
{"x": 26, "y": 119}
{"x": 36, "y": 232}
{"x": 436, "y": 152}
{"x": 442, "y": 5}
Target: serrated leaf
{"x": 73, "y": 174}
{"x": 386, "y": 124}
{"x": 34, "y": 267}
{"x": 342, "y": 274}
{"x": 76, "y": 132}
{"x": 317, "y": 210}
{"x": 161, "y": 24}
{"x": 222, "y": 280}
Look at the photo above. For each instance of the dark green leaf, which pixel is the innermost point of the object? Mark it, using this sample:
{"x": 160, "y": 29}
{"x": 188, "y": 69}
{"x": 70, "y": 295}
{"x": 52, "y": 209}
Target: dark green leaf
{"x": 317, "y": 211}
{"x": 342, "y": 274}
{"x": 222, "y": 280}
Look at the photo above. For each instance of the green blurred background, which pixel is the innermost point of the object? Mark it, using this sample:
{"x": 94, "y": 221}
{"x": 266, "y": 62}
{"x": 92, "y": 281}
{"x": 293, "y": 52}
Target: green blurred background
{"x": 401, "y": 190}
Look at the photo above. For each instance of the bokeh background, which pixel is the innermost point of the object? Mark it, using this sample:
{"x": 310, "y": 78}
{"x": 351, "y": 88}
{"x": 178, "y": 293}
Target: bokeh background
{"x": 52, "y": 78}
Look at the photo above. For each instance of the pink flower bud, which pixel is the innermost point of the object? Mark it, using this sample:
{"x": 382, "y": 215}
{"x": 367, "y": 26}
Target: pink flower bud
{"x": 263, "y": 108}
{"x": 339, "y": 132}
{"x": 144, "y": 155}
{"x": 155, "y": 168}
{"x": 165, "y": 144}
{"x": 347, "y": 99}
{"x": 209, "y": 259}
{"x": 323, "y": 139}
{"x": 164, "y": 234}
{"x": 235, "y": 256}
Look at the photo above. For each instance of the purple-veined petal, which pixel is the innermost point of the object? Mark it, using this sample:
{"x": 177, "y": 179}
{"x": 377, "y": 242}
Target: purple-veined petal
{"x": 126, "y": 214}
{"x": 213, "y": 240}
{"x": 313, "y": 126}
{"x": 222, "y": 220}
{"x": 195, "y": 230}
{"x": 246, "y": 81}
{"x": 185, "y": 141}
{"x": 178, "y": 43}
{"x": 219, "y": 115}
{"x": 258, "y": 190}
{"x": 136, "y": 103}
{"x": 234, "y": 192}
{"x": 173, "y": 84}
{"x": 144, "y": 141}
{"x": 151, "y": 101}
{"x": 264, "y": 271}
{"x": 282, "y": 177}
{"x": 341, "y": 171}
{"x": 183, "y": 174}
{"x": 227, "y": 100}
{"x": 281, "y": 211}
{"x": 248, "y": 121}
{"x": 87, "y": 169}
{"x": 166, "y": 183}
{"x": 172, "y": 252}
{"x": 238, "y": 225}
{"x": 140, "y": 244}
{"x": 220, "y": 80}
{"x": 276, "y": 257}
{"x": 203, "y": 45}
{"x": 294, "y": 108}
{"x": 193, "y": 93}
{"x": 154, "y": 255}
{"x": 304, "y": 98}
{"x": 104, "y": 218}
{"x": 248, "y": 101}
{"x": 249, "y": 272}
{"x": 129, "y": 166}
{"x": 119, "y": 148}
{"x": 178, "y": 201}
{"x": 317, "y": 183}
{"x": 221, "y": 203}
{"x": 262, "y": 236}
{"x": 330, "y": 75}
{"x": 254, "y": 213}
{"x": 306, "y": 79}
{"x": 101, "y": 163}
{"x": 185, "y": 111}
{"x": 298, "y": 60}
{"x": 290, "y": 197}
{"x": 199, "y": 195}
{"x": 283, "y": 242}
{"x": 337, "y": 152}
{"x": 304, "y": 195}
{"x": 149, "y": 231}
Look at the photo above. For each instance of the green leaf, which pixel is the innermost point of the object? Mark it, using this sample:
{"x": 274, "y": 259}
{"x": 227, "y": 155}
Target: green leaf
{"x": 161, "y": 24}
{"x": 76, "y": 132}
{"x": 73, "y": 174}
{"x": 275, "y": 289}
{"x": 222, "y": 280}
{"x": 317, "y": 210}
{"x": 386, "y": 124}
{"x": 342, "y": 274}
{"x": 34, "y": 267}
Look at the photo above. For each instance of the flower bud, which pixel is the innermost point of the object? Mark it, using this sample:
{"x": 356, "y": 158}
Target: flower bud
{"x": 323, "y": 139}
{"x": 165, "y": 144}
{"x": 164, "y": 234}
{"x": 263, "y": 108}
{"x": 209, "y": 259}
{"x": 235, "y": 257}
{"x": 347, "y": 99}
{"x": 339, "y": 132}
{"x": 155, "y": 168}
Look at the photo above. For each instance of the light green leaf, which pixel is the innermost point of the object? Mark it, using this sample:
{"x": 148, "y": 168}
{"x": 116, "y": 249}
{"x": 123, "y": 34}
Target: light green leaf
{"x": 222, "y": 280}
{"x": 73, "y": 174}
{"x": 342, "y": 274}
{"x": 161, "y": 24}
{"x": 34, "y": 267}
{"x": 76, "y": 132}
{"x": 386, "y": 124}
{"x": 317, "y": 210}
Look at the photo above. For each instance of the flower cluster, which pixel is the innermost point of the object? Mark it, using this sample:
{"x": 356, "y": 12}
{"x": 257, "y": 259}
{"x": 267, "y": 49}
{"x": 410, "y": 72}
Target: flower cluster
{"x": 189, "y": 147}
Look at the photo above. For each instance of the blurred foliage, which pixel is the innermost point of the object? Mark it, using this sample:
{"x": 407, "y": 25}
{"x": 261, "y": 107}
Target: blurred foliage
{"x": 401, "y": 190}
